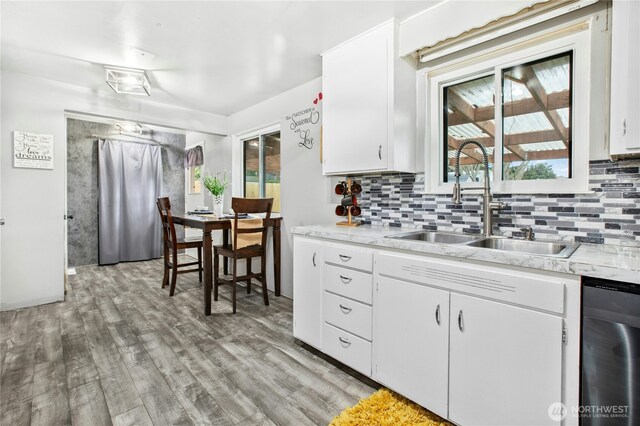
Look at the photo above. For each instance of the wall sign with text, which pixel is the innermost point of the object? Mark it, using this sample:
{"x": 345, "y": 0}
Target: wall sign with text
{"x": 32, "y": 150}
{"x": 305, "y": 124}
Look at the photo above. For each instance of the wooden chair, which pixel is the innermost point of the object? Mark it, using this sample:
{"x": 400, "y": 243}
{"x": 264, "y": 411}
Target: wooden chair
{"x": 235, "y": 251}
{"x": 171, "y": 246}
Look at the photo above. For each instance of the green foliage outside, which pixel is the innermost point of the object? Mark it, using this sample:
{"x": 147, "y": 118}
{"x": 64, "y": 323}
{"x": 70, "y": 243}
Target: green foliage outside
{"x": 527, "y": 171}
{"x": 252, "y": 176}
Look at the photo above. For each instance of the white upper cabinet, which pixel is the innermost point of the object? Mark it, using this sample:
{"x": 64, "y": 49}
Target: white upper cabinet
{"x": 625, "y": 89}
{"x": 368, "y": 105}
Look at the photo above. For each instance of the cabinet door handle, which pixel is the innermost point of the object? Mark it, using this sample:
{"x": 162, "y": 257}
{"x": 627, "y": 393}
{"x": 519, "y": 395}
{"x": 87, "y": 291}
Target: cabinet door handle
{"x": 460, "y": 326}
{"x": 314, "y": 260}
{"x": 438, "y": 315}
{"x": 344, "y": 258}
{"x": 345, "y": 309}
{"x": 380, "y": 152}
{"x": 345, "y": 280}
{"x": 344, "y": 342}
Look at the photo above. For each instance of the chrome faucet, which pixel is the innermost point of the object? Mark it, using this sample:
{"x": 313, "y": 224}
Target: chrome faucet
{"x": 527, "y": 233}
{"x": 488, "y": 206}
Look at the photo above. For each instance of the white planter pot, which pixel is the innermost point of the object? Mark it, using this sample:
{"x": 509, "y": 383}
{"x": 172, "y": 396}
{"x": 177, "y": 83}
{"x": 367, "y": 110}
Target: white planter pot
{"x": 218, "y": 203}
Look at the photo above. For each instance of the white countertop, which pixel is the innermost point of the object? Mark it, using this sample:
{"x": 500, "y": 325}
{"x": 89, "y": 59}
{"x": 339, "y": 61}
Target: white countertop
{"x": 620, "y": 263}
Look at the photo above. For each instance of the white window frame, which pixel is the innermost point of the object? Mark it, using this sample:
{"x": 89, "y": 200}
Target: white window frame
{"x": 237, "y": 169}
{"x": 576, "y": 37}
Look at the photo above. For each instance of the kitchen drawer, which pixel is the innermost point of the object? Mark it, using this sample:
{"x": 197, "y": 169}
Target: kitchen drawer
{"x": 348, "y": 283}
{"x": 533, "y": 289}
{"x": 347, "y": 348}
{"x": 349, "y": 315}
{"x": 349, "y": 256}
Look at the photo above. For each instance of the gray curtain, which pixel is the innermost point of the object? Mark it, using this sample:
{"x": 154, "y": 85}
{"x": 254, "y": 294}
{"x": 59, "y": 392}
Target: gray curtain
{"x": 130, "y": 181}
{"x": 193, "y": 157}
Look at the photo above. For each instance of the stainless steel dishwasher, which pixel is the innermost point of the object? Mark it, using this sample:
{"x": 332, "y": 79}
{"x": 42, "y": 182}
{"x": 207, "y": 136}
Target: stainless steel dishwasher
{"x": 610, "y": 353}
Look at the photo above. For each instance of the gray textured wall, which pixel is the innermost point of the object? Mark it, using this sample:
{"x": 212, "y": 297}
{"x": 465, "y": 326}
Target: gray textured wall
{"x": 82, "y": 183}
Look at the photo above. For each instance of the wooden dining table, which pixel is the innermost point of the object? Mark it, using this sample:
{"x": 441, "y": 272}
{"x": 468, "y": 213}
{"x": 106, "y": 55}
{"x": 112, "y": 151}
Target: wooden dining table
{"x": 209, "y": 224}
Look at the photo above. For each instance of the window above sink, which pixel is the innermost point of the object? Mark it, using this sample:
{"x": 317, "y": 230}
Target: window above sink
{"x": 529, "y": 101}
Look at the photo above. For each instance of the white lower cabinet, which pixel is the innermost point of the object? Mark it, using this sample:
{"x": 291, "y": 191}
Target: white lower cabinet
{"x": 478, "y": 344}
{"x": 411, "y": 335}
{"x": 505, "y": 363}
{"x": 308, "y": 262}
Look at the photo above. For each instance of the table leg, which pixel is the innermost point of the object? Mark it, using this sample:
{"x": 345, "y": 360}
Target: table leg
{"x": 276, "y": 256}
{"x": 206, "y": 242}
{"x": 225, "y": 242}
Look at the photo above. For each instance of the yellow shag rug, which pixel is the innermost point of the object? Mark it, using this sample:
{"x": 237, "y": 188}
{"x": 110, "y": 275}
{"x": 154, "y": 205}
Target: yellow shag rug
{"x": 386, "y": 408}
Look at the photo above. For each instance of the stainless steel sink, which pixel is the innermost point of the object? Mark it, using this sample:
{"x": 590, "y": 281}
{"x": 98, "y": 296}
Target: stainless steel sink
{"x": 435, "y": 237}
{"x": 555, "y": 249}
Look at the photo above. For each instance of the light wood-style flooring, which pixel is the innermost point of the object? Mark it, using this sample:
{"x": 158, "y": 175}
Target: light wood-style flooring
{"x": 120, "y": 351}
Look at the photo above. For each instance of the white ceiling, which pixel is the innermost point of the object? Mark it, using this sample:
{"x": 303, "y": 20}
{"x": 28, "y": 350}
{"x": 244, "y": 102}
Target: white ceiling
{"x": 215, "y": 56}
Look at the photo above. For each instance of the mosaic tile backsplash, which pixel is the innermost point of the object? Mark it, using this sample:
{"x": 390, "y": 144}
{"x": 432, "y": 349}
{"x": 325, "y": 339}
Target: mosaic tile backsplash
{"x": 609, "y": 215}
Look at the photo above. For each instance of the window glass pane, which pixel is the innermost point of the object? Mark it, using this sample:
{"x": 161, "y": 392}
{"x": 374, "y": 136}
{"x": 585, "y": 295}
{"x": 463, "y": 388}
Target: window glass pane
{"x": 272, "y": 169}
{"x": 536, "y": 125}
{"x": 194, "y": 180}
{"x": 252, "y": 168}
{"x": 469, "y": 112}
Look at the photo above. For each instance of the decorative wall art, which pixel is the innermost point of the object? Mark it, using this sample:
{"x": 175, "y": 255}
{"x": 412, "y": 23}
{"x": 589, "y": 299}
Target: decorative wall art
{"x": 32, "y": 150}
{"x": 306, "y": 124}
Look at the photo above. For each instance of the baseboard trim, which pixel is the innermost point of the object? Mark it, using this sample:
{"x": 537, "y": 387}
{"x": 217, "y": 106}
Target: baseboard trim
{"x": 11, "y": 306}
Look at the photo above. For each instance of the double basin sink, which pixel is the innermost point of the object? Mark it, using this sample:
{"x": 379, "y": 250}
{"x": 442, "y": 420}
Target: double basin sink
{"x": 553, "y": 249}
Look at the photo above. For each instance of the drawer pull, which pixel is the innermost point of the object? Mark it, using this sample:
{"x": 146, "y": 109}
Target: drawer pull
{"x": 460, "y": 325}
{"x": 345, "y": 309}
{"x": 438, "y": 315}
{"x": 344, "y": 258}
{"x": 314, "y": 260}
{"x": 344, "y": 342}
{"x": 345, "y": 280}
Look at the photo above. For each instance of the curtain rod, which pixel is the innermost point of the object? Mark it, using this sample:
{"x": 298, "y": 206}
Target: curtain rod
{"x": 115, "y": 137}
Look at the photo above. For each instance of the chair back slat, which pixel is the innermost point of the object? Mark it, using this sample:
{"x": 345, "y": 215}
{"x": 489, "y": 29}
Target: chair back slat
{"x": 168, "y": 227}
{"x": 243, "y": 206}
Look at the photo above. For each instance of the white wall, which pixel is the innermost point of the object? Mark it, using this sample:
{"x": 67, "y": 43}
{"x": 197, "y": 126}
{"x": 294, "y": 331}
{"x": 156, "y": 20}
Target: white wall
{"x": 217, "y": 157}
{"x": 33, "y": 201}
{"x": 305, "y": 193}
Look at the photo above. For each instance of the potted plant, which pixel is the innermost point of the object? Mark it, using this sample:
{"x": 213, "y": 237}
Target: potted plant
{"x": 216, "y": 186}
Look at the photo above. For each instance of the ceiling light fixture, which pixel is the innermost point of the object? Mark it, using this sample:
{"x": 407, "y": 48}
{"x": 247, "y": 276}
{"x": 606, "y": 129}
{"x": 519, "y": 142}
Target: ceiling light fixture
{"x": 127, "y": 80}
{"x": 127, "y": 127}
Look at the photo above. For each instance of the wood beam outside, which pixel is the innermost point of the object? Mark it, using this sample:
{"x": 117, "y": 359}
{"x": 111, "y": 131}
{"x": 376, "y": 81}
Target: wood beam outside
{"x": 456, "y": 103}
{"x": 530, "y": 79}
{"x": 516, "y": 139}
{"x": 532, "y": 156}
{"x": 531, "y": 137}
{"x": 554, "y": 154}
{"x": 555, "y": 101}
